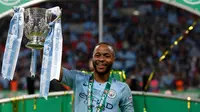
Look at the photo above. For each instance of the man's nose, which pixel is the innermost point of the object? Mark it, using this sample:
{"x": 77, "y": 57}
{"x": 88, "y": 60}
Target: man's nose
{"x": 101, "y": 58}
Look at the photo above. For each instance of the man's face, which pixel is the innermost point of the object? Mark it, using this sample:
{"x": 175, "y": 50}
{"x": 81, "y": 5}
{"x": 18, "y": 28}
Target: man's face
{"x": 103, "y": 58}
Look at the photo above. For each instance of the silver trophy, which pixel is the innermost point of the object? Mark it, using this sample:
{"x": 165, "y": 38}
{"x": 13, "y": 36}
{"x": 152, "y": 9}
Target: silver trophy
{"x": 36, "y": 26}
{"x": 43, "y": 31}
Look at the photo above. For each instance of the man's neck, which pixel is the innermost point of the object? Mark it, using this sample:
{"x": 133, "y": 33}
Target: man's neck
{"x": 101, "y": 78}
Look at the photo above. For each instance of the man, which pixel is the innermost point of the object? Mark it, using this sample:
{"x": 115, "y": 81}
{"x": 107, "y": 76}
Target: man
{"x": 98, "y": 92}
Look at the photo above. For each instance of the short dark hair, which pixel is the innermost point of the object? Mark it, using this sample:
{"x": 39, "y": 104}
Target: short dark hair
{"x": 108, "y": 44}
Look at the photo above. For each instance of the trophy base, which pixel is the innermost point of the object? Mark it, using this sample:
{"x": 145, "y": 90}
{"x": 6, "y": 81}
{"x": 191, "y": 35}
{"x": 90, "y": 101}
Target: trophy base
{"x": 35, "y": 45}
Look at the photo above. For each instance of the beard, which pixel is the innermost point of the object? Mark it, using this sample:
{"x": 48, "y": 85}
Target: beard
{"x": 108, "y": 68}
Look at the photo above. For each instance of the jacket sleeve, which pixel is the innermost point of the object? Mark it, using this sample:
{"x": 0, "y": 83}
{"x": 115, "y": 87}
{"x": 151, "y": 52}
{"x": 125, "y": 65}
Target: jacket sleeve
{"x": 126, "y": 102}
{"x": 69, "y": 77}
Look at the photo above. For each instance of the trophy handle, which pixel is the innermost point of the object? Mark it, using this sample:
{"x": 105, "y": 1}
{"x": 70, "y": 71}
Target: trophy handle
{"x": 56, "y": 11}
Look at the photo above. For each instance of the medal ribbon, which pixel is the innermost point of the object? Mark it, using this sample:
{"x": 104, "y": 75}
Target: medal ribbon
{"x": 103, "y": 96}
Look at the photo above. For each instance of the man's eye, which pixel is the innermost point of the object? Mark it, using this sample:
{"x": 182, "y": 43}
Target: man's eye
{"x": 97, "y": 55}
{"x": 107, "y": 56}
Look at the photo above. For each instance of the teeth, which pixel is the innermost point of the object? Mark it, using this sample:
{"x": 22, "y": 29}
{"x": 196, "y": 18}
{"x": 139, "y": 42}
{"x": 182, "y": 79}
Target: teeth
{"x": 101, "y": 65}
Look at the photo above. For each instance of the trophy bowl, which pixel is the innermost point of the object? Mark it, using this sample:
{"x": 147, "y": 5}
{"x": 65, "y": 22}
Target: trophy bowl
{"x": 36, "y": 26}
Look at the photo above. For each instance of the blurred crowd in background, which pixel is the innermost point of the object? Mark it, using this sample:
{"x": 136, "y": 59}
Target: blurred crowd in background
{"x": 141, "y": 33}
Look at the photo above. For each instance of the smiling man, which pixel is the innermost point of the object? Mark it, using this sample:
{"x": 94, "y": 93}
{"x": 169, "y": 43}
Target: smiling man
{"x": 99, "y": 92}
